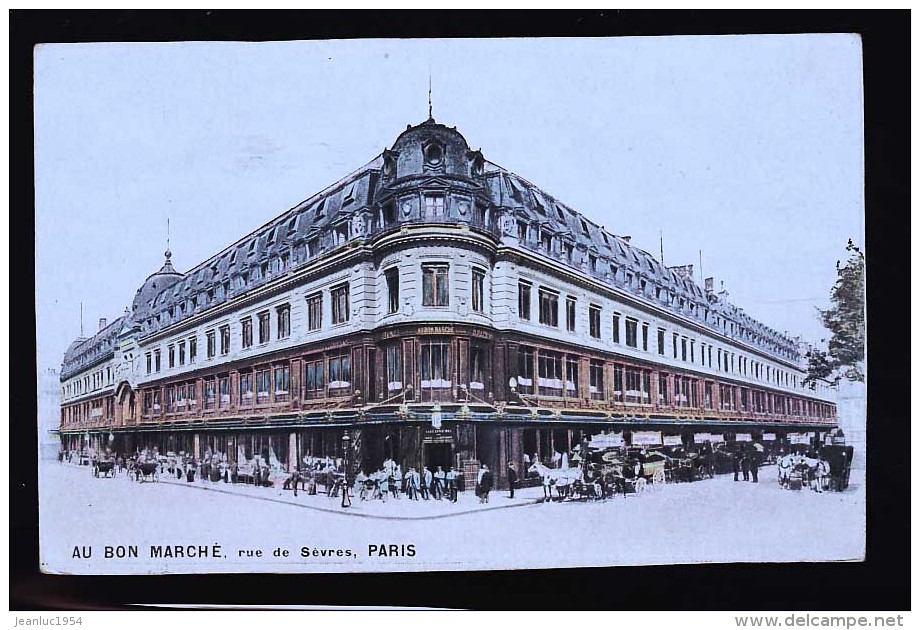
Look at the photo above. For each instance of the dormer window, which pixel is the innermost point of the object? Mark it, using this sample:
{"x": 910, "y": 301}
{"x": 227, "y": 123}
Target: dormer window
{"x": 320, "y": 208}
{"x": 569, "y": 251}
{"x": 252, "y": 247}
{"x": 271, "y": 237}
{"x": 560, "y": 213}
{"x": 389, "y": 213}
{"x": 546, "y": 241}
{"x": 522, "y": 231}
{"x": 584, "y": 227}
{"x": 292, "y": 225}
{"x": 233, "y": 257}
{"x": 434, "y": 154}
{"x": 592, "y": 262}
{"x": 349, "y": 195}
{"x": 538, "y": 205}
{"x": 312, "y": 247}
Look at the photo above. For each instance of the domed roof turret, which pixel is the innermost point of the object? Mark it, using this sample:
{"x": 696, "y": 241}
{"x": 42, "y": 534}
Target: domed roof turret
{"x": 429, "y": 148}
{"x": 153, "y": 285}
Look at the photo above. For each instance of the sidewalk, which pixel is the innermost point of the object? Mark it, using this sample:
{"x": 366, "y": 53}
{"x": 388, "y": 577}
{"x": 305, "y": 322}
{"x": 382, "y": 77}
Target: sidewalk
{"x": 395, "y": 509}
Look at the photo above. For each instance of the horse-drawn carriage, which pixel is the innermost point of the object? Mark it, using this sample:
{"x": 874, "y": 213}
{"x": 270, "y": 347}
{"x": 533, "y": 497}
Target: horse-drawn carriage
{"x": 146, "y": 471}
{"x": 104, "y": 467}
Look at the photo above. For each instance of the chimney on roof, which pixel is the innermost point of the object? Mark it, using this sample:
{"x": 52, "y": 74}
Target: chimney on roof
{"x": 709, "y": 284}
{"x": 723, "y": 293}
{"x": 102, "y": 323}
{"x": 683, "y": 271}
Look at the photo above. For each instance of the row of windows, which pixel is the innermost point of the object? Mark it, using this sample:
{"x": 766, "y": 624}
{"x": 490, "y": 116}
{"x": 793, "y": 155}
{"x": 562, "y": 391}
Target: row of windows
{"x": 219, "y": 339}
{"x": 89, "y": 382}
{"x": 637, "y": 335}
{"x": 555, "y": 374}
{"x": 553, "y": 243}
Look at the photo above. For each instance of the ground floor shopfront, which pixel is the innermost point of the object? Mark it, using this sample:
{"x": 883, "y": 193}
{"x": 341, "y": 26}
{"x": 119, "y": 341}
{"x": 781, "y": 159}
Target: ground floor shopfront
{"x": 432, "y": 437}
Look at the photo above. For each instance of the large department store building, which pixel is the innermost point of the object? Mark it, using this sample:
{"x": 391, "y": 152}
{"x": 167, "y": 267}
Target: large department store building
{"x": 440, "y": 310}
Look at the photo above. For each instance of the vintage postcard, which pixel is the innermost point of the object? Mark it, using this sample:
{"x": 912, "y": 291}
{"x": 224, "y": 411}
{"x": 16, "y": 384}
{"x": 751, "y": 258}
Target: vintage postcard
{"x": 411, "y": 305}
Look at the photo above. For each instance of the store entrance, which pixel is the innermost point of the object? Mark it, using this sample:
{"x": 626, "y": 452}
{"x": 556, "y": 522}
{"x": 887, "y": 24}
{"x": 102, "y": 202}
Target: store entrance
{"x": 438, "y": 455}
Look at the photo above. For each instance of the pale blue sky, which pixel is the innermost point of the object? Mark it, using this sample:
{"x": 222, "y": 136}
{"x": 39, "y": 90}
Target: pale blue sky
{"x": 748, "y": 148}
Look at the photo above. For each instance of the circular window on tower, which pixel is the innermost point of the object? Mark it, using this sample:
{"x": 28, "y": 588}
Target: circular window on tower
{"x": 434, "y": 154}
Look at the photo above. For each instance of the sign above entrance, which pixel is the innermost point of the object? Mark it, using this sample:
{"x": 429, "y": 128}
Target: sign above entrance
{"x": 700, "y": 438}
{"x": 769, "y": 437}
{"x": 438, "y": 436}
{"x": 799, "y": 438}
{"x": 646, "y": 438}
{"x": 673, "y": 440}
{"x": 716, "y": 438}
{"x": 742, "y": 437}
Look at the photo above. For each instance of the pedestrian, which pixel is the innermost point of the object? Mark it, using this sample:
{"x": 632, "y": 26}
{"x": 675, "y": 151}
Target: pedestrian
{"x": 745, "y": 466}
{"x": 451, "y": 478}
{"x": 397, "y": 481}
{"x": 440, "y": 478}
{"x": 736, "y": 464}
{"x": 384, "y": 486}
{"x": 754, "y": 465}
{"x": 427, "y": 480}
{"x": 234, "y": 472}
{"x": 479, "y": 476}
{"x": 486, "y": 484}
{"x": 411, "y": 488}
{"x": 512, "y": 479}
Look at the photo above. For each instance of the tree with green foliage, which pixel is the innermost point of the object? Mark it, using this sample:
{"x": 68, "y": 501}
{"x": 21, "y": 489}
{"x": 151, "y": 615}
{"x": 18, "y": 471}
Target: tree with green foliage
{"x": 846, "y": 320}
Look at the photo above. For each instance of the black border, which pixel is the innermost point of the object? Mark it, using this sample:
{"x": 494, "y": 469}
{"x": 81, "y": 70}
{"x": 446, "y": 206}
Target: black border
{"x": 882, "y": 582}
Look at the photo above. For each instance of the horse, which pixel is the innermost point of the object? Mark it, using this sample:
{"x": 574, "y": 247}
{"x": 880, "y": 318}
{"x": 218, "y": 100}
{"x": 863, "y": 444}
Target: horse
{"x": 104, "y": 468}
{"x": 561, "y": 478}
{"x": 145, "y": 471}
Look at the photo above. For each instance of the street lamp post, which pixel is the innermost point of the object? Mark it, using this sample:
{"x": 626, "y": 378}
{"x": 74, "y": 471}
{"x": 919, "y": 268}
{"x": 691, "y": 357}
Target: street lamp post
{"x": 346, "y": 441}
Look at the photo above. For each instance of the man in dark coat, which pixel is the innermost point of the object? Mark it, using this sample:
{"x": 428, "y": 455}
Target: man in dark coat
{"x": 736, "y": 463}
{"x": 745, "y": 465}
{"x": 512, "y": 479}
{"x": 485, "y": 484}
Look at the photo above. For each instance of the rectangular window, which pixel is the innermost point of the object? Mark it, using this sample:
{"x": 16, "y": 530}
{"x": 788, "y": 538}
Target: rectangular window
{"x": 616, "y": 328}
{"x": 525, "y": 370}
{"x": 479, "y": 280}
{"x": 434, "y": 368}
{"x": 571, "y": 376}
{"x": 314, "y": 379}
{"x": 549, "y": 372}
{"x": 524, "y": 300}
{"x": 225, "y": 339}
{"x": 263, "y": 385}
{"x": 683, "y": 348}
{"x": 211, "y": 343}
{"x": 264, "y": 327}
{"x": 246, "y": 390}
{"x": 661, "y": 341}
{"x": 394, "y": 370}
{"x": 171, "y": 354}
{"x": 634, "y": 392}
{"x": 645, "y": 336}
{"x": 339, "y": 374}
{"x": 549, "y": 307}
{"x": 314, "y": 311}
{"x": 181, "y": 353}
{"x": 246, "y": 326}
{"x": 210, "y": 393}
{"x": 632, "y": 333}
{"x": 282, "y": 382}
{"x": 434, "y": 206}
{"x": 707, "y": 395}
{"x": 392, "y": 279}
{"x": 477, "y": 369}
{"x": 223, "y": 390}
{"x": 596, "y": 379}
{"x": 522, "y": 231}
{"x": 663, "y": 391}
{"x": 570, "y": 314}
{"x": 284, "y": 321}
{"x": 156, "y": 360}
{"x": 594, "y": 321}
{"x": 434, "y": 285}
{"x": 192, "y": 349}
{"x": 149, "y": 363}
{"x": 339, "y": 296}
{"x": 674, "y": 344}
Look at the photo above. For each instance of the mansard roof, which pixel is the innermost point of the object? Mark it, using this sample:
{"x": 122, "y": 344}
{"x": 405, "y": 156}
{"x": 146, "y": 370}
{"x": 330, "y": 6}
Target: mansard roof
{"x": 308, "y": 228}
{"x": 84, "y": 352}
